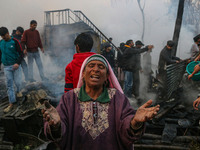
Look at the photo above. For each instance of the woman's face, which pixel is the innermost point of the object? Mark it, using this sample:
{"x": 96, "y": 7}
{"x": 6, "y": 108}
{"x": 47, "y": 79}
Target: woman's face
{"x": 95, "y": 74}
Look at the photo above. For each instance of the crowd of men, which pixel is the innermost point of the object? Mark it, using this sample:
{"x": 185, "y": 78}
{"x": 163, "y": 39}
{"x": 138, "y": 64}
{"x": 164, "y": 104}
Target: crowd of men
{"x": 128, "y": 60}
{"x": 92, "y": 91}
{"x": 13, "y": 49}
{"x": 130, "y": 68}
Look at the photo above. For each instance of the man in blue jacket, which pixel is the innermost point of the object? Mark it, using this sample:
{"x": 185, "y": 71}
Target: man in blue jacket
{"x": 12, "y": 55}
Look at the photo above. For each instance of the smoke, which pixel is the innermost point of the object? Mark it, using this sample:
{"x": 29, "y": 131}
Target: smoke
{"x": 119, "y": 19}
{"x": 115, "y": 18}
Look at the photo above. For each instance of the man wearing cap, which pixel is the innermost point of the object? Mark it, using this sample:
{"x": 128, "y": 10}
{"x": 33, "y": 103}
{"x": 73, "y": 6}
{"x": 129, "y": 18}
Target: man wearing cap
{"x": 109, "y": 55}
{"x": 130, "y": 65}
{"x": 126, "y": 65}
{"x": 166, "y": 58}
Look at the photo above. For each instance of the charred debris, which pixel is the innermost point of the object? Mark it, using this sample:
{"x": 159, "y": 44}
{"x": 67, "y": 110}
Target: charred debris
{"x": 22, "y": 128}
{"x": 177, "y": 124}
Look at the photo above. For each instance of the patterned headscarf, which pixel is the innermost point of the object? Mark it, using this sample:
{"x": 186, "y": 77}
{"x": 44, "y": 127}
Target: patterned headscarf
{"x": 113, "y": 82}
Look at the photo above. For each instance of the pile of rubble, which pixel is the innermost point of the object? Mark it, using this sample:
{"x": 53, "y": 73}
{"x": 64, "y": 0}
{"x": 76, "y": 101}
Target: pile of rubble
{"x": 22, "y": 127}
{"x": 177, "y": 125}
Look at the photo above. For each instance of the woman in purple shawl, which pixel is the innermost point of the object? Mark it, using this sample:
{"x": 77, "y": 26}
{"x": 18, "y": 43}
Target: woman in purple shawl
{"x": 96, "y": 115}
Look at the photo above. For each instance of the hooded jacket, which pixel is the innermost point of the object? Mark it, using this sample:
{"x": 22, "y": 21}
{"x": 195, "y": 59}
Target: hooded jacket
{"x": 131, "y": 58}
{"x": 73, "y": 69}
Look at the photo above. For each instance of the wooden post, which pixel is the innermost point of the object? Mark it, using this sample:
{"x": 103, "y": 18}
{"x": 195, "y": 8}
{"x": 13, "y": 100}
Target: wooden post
{"x": 177, "y": 28}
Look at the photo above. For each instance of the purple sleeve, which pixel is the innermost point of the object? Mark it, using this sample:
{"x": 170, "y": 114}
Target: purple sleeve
{"x": 63, "y": 112}
{"x": 126, "y": 135}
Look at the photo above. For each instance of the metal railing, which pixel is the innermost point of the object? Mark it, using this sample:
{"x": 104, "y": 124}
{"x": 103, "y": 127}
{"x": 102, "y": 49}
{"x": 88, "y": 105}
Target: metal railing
{"x": 102, "y": 37}
{"x": 57, "y": 17}
{"x": 67, "y": 16}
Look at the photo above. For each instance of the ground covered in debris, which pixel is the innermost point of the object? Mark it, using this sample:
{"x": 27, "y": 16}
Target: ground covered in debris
{"x": 177, "y": 124}
{"x": 175, "y": 127}
{"x": 22, "y": 127}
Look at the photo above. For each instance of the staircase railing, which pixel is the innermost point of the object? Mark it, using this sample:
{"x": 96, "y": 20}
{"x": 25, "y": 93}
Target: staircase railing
{"x": 67, "y": 16}
{"x": 102, "y": 37}
{"x": 57, "y": 17}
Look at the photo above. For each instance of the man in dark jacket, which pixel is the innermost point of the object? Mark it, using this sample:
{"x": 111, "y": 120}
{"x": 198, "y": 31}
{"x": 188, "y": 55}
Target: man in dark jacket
{"x": 128, "y": 75}
{"x": 109, "y": 55}
{"x": 166, "y": 58}
{"x": 131, "y": 67}
{"x": 120, "y": 72}
{"x": 18, "y": 35}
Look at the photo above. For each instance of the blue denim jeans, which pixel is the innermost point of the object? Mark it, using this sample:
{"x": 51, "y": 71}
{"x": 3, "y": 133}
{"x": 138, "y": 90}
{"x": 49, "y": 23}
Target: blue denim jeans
{"x": 128, "y": 83}
{"x": 36, "y": 56}
{"x": 12, "y": 76}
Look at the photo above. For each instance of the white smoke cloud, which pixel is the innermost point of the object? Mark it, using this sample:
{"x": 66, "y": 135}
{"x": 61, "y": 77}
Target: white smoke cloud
{"x": 115, "y": 18}
{"x": 118, "y": 19}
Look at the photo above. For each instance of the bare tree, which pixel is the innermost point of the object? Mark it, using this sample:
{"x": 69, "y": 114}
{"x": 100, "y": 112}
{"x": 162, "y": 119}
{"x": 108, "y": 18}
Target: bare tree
{"x": 141, "y": 7}
{"x": 143, "y": 18}
{"x": 191, "y": 14}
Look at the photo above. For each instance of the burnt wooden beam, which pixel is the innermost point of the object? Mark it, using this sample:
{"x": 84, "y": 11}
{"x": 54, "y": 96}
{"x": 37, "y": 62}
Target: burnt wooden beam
{"x": 6, "y": 147}
{"x": 177, "y": 139}
{"x": 164, "y": 112}
{"x": 10, "y": 129}
{"x": 161, "y": 147}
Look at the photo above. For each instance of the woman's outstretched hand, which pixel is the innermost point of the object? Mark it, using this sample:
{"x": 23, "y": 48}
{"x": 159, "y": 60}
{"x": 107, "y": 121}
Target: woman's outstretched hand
{"x": 144, "y": 113}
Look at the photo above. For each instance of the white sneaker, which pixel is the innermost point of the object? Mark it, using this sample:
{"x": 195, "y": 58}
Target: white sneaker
{"x": 8, "y": 109}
